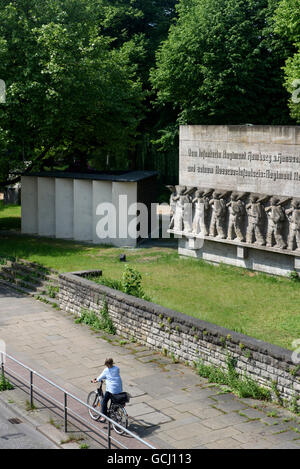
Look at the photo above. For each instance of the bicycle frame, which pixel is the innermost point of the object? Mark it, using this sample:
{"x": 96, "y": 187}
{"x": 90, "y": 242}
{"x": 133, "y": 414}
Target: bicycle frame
{"x": 112, "y": 400}
{"x": 100, "y": 390}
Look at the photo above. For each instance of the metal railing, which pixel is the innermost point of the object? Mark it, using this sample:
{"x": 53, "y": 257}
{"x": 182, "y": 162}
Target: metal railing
{"x": 67, "y": 411}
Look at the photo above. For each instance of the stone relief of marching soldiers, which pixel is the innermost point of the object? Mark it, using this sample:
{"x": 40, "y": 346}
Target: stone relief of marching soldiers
{"x": 255, "y": 219}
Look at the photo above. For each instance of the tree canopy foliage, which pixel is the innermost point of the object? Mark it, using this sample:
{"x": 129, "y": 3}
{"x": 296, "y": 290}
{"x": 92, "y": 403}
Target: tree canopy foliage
{"x": 221, "y": 64}
{"x": 288, "y": 26}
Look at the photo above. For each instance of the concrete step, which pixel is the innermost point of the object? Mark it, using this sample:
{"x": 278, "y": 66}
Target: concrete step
{"x": 41, "y": 297}
{"x": 7, "y": 275}
{"x": 46, "y": 299}
{"x": 19, "y": 273}
{"x": 39, "y": 288}
{"x": 10, "y": 277}
{"x": 35, "y": 266}
{"x": 7, "y": 283}
{"x": 31, "y": 279}
{"x": 34, "y": 272}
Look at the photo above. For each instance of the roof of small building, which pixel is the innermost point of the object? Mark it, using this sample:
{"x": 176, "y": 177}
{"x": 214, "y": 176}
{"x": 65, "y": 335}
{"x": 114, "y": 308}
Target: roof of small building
{"x": 116, "y": 176}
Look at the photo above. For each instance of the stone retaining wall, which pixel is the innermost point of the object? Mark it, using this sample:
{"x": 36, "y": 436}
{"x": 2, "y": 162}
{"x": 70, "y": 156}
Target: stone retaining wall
{"x": 184, "y": 337}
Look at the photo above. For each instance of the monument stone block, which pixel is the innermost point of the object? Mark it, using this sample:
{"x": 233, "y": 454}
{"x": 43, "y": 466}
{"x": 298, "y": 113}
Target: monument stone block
{"x": 239, "y": 185}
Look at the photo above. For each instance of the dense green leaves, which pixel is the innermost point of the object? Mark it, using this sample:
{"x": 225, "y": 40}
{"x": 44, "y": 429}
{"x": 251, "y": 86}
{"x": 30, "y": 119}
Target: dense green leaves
{"x": 221, "y": 64}
{"x": 288, "y": 26}
{"x": 288, "y": 19}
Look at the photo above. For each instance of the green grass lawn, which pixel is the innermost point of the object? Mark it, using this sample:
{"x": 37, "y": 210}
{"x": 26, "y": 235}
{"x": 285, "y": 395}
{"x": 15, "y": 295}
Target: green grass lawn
{"x": 10, "y": 217}
{"x": 258, "y": 305}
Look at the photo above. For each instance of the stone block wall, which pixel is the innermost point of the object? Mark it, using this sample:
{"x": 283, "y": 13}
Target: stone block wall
{"x": 184, "y": 337}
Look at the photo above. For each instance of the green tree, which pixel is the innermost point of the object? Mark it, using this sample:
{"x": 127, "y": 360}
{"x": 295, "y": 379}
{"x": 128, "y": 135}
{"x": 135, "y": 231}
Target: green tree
{"x": 221, "y": 64}
{"x": 288, "y": 26}
{"x": 145, "y": 23}
{"x": 71, "y": 96}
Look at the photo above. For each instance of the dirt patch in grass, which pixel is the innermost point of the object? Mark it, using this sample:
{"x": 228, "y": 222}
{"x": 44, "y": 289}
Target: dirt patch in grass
{"x": 149, "y": 259}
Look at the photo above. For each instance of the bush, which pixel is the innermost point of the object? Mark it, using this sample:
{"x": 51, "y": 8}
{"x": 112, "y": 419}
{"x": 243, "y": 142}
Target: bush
{"x": 5, "y": 385}
{"x": 111, "y": 283}
{"x": 247, "y": 387}
{"x": 294, "y": 276}
{"x": 107, "y": 324}
{"x": 130, "y": 283}
{"x": 242, "y": 386}
{"x": 101, "y": 321}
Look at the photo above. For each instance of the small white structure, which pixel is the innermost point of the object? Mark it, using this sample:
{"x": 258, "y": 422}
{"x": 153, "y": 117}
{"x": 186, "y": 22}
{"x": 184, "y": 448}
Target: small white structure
{"x": 71, "y": 205}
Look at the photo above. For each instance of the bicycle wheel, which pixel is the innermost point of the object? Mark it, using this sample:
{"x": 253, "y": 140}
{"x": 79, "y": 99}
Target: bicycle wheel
{"x": 119, "y": 415}
{"x": 94, "y": 400}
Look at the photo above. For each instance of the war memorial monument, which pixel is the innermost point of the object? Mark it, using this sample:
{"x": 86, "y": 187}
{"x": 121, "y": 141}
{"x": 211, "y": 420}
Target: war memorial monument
{"x": 238, "y": 198}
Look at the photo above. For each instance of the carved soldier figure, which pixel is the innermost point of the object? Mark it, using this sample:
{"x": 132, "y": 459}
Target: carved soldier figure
{"x": 188, "y": 210}
{"x": 236, "y": 214}
{"x": 218, "y": 218}
{"x": 275, "y": 223}
{"x": 255, "y": 220}
{"x": 179, "y": 199}
{"x": 172, "y": 205}
{"x": 201, "y": 202}
{"x": 293, "y": 215}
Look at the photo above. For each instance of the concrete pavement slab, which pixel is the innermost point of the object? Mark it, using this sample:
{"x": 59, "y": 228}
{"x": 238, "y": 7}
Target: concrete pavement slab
{"x": 137, "y": 410}
{"x": 223, "y": 421}
{"x": 225, "y": 443}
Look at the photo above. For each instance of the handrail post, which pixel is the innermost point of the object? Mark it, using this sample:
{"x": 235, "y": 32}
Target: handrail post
{"x": 66, "y": 411}
{"x": 31, "y": 389}
{"x": 2, "y": 364}
{"x": 109, "y": 435}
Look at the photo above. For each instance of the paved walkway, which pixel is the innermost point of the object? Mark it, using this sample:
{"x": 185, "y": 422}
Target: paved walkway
{"x": 16, "y": 434}
{"x": 171, "y": 406}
